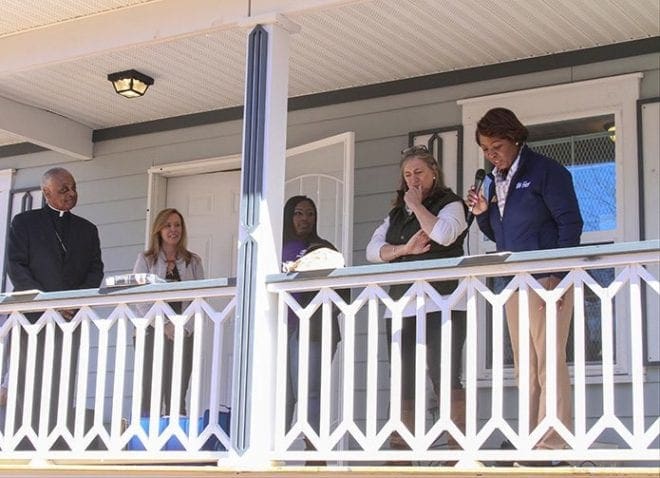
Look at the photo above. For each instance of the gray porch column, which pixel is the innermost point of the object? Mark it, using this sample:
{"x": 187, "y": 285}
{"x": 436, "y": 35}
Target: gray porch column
{"x": 262, "y": 192}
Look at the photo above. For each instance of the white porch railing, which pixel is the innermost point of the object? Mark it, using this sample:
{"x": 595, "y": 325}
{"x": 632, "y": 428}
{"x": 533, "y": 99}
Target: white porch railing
{"x": 615, "y": 407}
{"x": 100, "y": 418}
{"x": 615, "y": 413}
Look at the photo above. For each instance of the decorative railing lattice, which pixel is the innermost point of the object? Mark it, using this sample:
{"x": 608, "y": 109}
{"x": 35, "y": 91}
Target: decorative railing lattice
{"x": 615, "y": 414}
{"x": 103, "y": 417}
{"x": 100, "y": 352}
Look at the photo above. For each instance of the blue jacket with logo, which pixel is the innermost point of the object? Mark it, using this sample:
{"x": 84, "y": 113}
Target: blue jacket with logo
{"x": 541, "y": 210}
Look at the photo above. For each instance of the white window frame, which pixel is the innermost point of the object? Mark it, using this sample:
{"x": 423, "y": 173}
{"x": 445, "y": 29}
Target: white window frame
{"x": 616, "y": 95}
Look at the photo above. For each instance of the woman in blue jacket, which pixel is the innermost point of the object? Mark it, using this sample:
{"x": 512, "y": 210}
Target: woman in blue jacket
{"x": 530, "y": 204}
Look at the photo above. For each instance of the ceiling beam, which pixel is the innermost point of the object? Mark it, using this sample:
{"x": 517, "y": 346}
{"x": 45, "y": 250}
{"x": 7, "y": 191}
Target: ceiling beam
{"x": 137, "y": 25}
{"x": 46, "y": 129}
{"x": 113, "y": 30}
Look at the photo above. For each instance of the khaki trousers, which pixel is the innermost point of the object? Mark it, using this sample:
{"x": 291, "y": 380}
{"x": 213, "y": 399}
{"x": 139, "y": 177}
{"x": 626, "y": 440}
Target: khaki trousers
{"x": 537, "y": 358}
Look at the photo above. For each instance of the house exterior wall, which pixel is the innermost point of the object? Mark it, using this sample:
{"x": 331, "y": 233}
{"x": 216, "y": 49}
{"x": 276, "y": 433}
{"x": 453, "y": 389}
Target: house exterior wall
{"x": 117, "y": 175}
{"x": 113, "y": 186}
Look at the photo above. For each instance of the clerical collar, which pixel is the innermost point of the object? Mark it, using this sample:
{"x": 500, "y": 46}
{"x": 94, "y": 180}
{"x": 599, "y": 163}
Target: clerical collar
{"x": 57, "y": 211}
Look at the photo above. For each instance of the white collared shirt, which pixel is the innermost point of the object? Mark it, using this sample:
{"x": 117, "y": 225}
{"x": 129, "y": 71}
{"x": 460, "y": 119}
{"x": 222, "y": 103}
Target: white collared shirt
{"x": 450, "y": 224}
{"x": 502, "y": 184}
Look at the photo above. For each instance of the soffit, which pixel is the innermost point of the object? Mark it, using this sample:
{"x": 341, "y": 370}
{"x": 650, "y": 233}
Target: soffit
{"x": 344, "y": 45}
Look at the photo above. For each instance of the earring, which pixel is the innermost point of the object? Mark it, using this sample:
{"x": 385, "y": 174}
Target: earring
{"x": 517, "y": 143}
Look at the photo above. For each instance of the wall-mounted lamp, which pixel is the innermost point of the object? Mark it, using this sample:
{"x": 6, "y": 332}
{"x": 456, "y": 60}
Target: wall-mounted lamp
{"x": 611, "y": 129}
{"x": 130, "y": 83}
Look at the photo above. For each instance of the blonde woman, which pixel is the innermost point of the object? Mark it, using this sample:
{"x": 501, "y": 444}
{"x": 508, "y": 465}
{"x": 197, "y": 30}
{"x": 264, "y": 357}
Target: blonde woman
{"x": 168, "y": 258}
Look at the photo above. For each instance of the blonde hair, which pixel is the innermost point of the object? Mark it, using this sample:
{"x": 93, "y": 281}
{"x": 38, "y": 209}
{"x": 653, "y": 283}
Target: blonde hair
{"x": 156, "y": 241}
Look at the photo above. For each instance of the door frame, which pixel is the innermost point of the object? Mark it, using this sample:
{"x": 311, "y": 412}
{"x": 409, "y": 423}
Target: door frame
{"x": 348, "y": 139}
{"x": 6, "y": 182}
{"x": 158, "y": 175}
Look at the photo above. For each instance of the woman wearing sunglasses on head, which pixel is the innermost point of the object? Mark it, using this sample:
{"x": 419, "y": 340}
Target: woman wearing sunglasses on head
{"x": 428, "y": 221}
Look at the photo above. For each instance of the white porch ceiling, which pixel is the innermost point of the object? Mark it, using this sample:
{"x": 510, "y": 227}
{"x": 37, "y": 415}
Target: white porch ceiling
{"x": 55, "y": 55}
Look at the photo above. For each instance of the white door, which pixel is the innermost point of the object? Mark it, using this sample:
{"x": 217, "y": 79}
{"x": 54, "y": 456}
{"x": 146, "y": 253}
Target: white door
{"x": 210, "y": 205}
{"x": 323, "y": 171}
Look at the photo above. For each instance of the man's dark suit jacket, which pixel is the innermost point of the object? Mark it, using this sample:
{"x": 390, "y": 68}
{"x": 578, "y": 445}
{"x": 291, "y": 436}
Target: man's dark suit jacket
{"x": 36, "y": 259}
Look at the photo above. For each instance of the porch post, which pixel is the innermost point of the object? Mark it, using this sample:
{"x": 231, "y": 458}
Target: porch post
{"x": 260, "y": 232}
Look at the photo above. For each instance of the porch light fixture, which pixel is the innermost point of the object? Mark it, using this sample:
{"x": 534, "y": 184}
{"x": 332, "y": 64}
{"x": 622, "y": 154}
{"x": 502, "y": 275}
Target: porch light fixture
{"x": 130, "y": 83}
{"x": 611, "y": 129}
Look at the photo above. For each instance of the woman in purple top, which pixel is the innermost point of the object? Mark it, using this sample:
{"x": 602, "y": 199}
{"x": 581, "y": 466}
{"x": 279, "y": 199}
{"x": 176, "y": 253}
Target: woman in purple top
{"x": 299, "y": 237}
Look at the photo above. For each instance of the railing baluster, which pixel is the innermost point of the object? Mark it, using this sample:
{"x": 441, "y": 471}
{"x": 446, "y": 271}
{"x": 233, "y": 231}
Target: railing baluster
{"x": 81, "y": 391}
{"x": 303, "y": 373}
{"x": 636, "y": 360}
{"x": 281, "y": 383}
{"x": 607, "y": 327}
{"x": 101, "y": 371}
{"x": 395, "y": 371}
{"x": 470, "y": 370}
{"x": 120, "y": 370}
{"x": 445, "y": 398}
{"x": 497, "y": 400}
{"x": 524, "y": 430}
{"x": 372, "y": 373}
{"x": 347, "y": 408}
{"x": 45, "y": 398}
{"x": 551, "y": 371}
{"x": 326, "y": 369}
{"x": 579, "y": 362}
{"x": 420, "y": 372}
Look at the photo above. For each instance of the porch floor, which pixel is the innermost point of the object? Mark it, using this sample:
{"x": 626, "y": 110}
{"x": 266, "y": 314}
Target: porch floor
{"x": 151, "y": 471}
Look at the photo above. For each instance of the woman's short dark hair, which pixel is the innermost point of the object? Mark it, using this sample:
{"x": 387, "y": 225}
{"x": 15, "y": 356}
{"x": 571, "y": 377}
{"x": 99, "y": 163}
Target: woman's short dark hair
{"x": 501, "y": 123}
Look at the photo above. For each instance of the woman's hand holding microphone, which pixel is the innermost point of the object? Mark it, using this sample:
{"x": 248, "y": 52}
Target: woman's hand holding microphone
{"x": 476, "y": 201}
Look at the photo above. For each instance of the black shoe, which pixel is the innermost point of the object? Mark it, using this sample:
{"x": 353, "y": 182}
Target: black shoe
{"x": 505, "y": 445}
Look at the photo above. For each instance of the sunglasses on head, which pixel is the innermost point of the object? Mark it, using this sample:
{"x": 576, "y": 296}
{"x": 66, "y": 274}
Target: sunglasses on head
{"x": 418, "y": 148}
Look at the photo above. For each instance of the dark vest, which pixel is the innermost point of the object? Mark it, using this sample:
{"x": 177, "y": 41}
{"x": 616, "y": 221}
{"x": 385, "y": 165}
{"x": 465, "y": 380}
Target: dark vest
{"x": 403, "y": 226}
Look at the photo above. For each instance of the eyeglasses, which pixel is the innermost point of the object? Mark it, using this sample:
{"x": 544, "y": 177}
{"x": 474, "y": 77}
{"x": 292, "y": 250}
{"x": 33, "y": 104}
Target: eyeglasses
{"x": 418, "y": 148}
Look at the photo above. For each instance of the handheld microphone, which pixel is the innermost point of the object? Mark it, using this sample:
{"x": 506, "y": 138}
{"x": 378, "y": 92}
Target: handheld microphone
{"x": 479, "y": 177}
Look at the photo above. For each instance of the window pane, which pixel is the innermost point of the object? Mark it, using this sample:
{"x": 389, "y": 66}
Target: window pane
{"x": 590, "y": 159}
